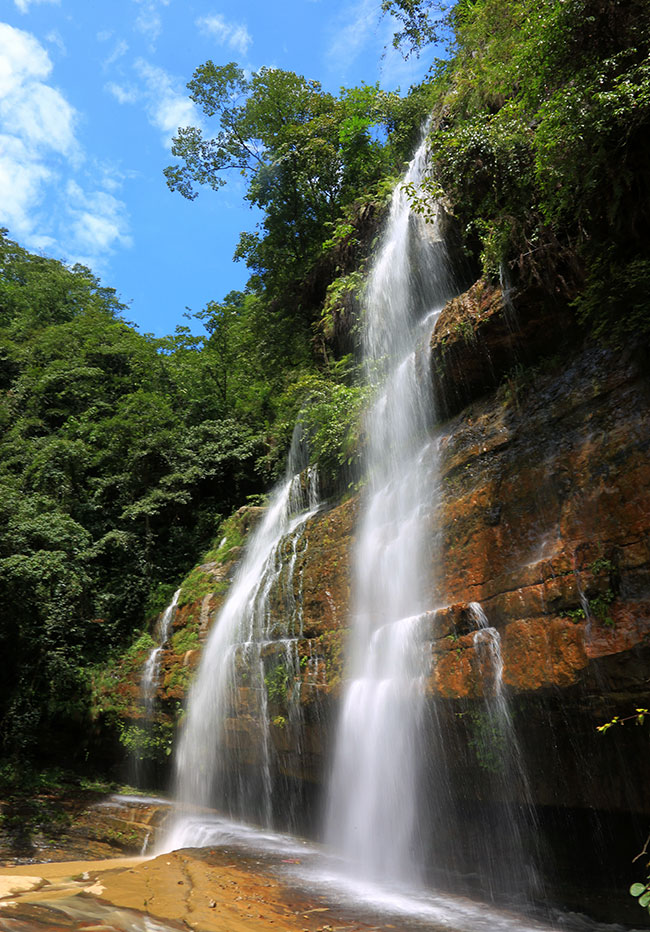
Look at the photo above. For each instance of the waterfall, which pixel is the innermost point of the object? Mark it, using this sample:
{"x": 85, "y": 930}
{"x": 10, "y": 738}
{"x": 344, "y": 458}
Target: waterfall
{"x": 506, "y": 851}
{"x": 375, "y": 808}
{"x": 250, "y": 658}
{"x": 151, "y": 669}
{"x": 141, "y": 772}
{"x": 397, "y": 809}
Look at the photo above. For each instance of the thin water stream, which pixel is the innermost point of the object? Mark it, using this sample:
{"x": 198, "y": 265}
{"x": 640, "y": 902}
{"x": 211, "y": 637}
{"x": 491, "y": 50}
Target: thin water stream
{"x": 151, "y": 669}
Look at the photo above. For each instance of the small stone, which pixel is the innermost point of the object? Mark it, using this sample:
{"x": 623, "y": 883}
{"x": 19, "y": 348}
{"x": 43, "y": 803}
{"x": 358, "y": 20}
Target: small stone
{"x": 212, "y": 904}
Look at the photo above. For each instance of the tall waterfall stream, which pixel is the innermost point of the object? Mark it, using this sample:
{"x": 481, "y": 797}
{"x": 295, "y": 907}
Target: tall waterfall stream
{"x": 389, "y": 817}
{"x": 375, "y": 805}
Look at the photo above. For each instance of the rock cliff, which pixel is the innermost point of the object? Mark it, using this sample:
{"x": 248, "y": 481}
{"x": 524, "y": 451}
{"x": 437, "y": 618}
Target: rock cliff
{"x": 540, "y": 512}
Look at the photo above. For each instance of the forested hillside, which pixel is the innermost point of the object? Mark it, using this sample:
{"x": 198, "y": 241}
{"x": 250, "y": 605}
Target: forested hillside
{"x": 121, "y": 453}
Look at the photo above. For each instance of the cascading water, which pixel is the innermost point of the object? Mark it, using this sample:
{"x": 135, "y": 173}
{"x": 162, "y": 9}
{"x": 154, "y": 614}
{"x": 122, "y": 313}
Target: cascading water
{"x": 506, "y": 850}
{"x": 397, "y": 808}
{"x": 251, "y": 654}
{"x": 151, "y": 669}
{"x": 394, "y": 809}
{"x": 374, "y": 806}
{"x": 142, "y": 774}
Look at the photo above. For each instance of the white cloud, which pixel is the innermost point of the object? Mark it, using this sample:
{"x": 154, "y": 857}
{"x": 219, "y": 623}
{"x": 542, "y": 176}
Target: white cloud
{"x": 120, "y": 49}
{"x": 355, "y": 29}
{"x": 38, "y": 152}
{"x": 22, "y": 59}
{"x": 22, "y": 177}
{"x": 167, "y": 106}
{"x": 41, "y": 116}
{"x": 235, "y": 35}
{"x": 30, "y": 109}
{"x": 122, "y": 94}
{"x": 148, "y": 21}
{"x": 98, "y": 221}
{"x": 164, "y": 98}
{"x": 23, "y": 5}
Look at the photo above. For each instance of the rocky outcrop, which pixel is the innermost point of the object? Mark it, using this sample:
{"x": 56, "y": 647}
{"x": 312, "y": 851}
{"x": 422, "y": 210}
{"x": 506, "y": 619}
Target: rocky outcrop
{"x": 483, "y": 336}
{"x": 546, "y": 514}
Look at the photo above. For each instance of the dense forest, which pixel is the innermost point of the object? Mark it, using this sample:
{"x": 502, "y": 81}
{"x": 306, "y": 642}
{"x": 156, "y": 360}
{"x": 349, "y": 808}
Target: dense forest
{"x": 121, "y": 453}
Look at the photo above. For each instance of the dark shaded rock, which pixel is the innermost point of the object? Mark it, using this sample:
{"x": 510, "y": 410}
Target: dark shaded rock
{"x": 481, "y": 336}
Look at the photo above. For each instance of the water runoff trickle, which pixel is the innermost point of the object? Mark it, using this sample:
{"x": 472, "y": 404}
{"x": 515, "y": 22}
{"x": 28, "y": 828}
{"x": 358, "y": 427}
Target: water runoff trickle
{"x": 151, "y": 669}
{"x": 140, "y": 772}
{"x": 506, "y": 847}
{"x": 250, "y": 647}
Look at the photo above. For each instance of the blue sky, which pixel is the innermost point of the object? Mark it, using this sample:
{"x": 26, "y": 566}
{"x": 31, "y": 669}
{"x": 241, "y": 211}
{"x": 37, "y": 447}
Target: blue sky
{"x": 91, "y": 92}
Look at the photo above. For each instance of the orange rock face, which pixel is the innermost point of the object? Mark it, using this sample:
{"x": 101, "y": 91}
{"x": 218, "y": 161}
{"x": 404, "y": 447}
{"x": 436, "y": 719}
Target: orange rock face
{"x": 546, "y": 515}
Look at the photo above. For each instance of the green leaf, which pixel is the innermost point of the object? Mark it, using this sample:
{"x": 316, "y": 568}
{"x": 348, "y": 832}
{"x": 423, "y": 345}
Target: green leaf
{"x": 637, "y": 889}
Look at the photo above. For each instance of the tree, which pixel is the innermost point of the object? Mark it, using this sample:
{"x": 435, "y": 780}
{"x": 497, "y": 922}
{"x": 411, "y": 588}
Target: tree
{"x": 304, "y": 152}
{"x": 423, "y": 23}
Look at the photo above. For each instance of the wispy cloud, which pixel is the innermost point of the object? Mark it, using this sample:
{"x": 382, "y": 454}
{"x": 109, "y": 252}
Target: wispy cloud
{"x": 39, "y": 156}
{"x": 163, "y": 97}
{"x": 123, "y": 94}
{"x": 120, "y": 49}
{"x": 356, "y": 28}
{"x": 361, "y": 27}
{"x": 24, "y": 5}
{"x": 397, "y": 71}
{"x": 168, "y": 106}
{"x": 54, "y": 38}
{"x": 234, "y": 35}
{"x": 98, "y": 221}
{"x": 149, "y": 21}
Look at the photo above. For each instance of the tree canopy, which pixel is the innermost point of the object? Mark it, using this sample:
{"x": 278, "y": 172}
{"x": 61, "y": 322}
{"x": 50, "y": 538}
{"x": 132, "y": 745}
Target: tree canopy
{"x": 306, "y": 155}
{"x": 540, "y": 117}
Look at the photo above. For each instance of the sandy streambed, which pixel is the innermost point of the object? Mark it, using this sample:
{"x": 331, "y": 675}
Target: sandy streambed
{"x": 208, "y": 890}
